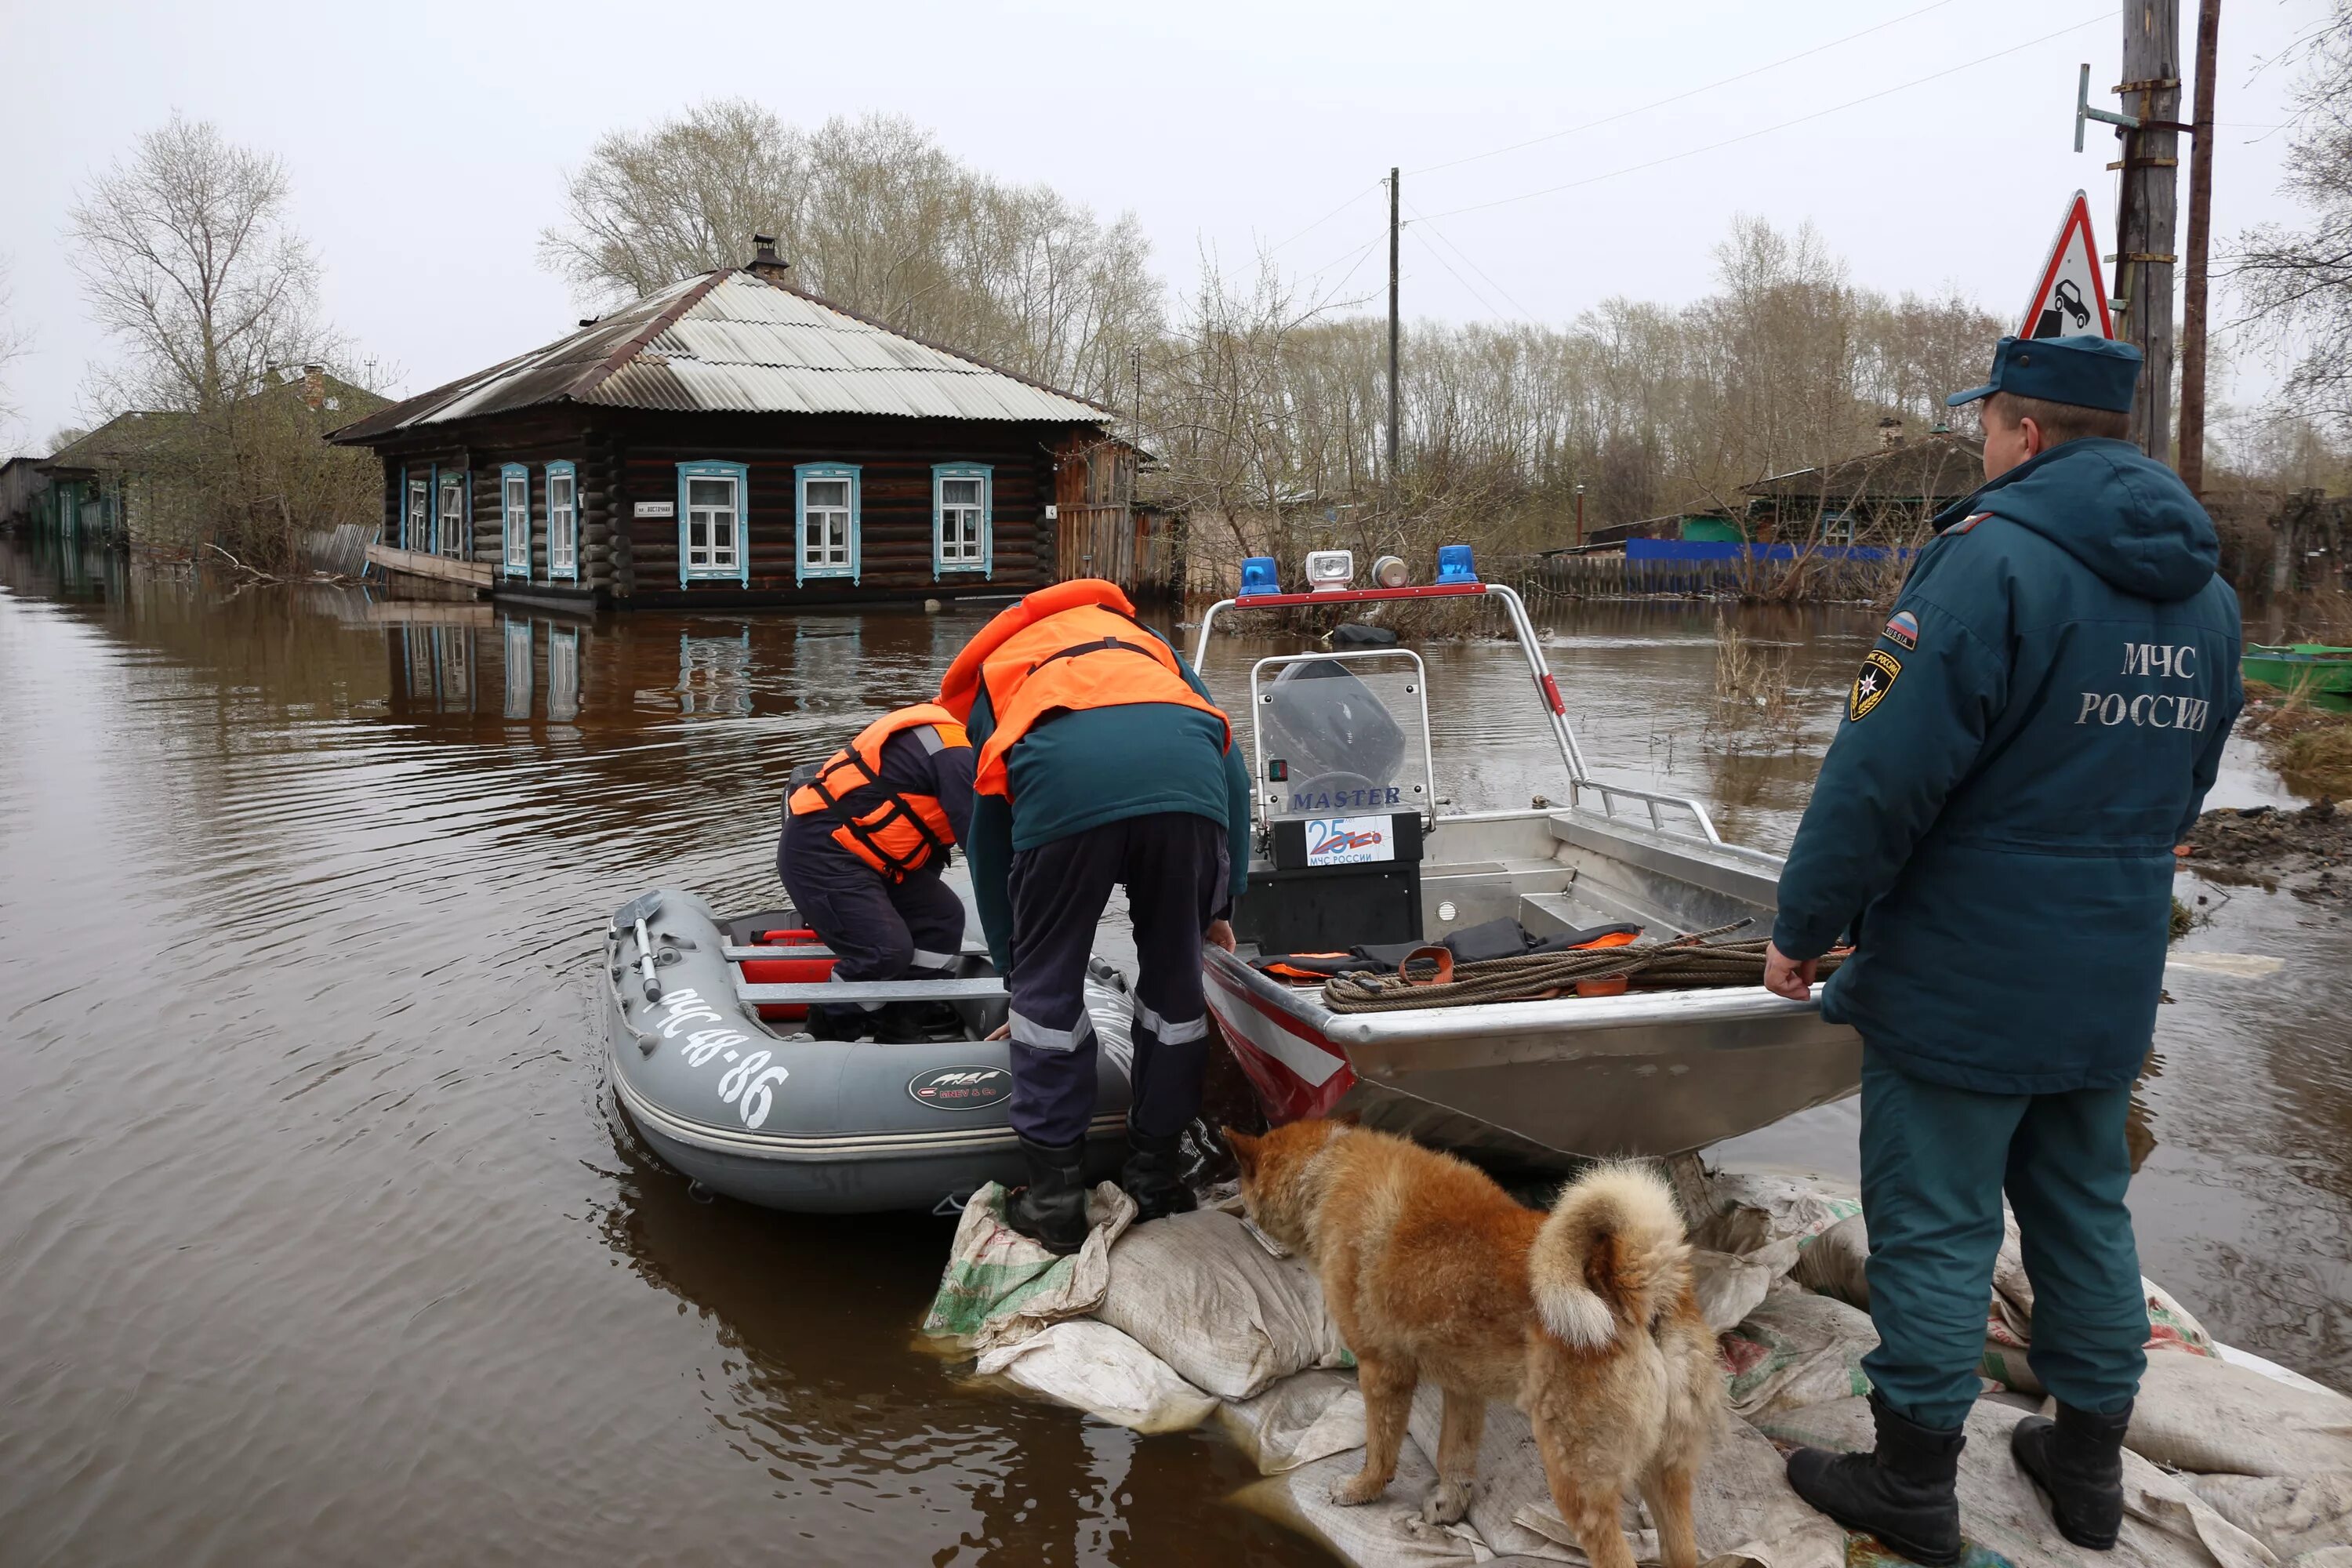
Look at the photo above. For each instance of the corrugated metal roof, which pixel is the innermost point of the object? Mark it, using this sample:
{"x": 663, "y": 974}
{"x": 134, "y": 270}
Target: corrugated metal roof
{"x": 738, "y": 342}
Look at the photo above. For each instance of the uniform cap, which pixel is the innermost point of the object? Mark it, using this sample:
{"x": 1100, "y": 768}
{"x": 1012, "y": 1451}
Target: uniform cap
{"x": 2089, "y": 372}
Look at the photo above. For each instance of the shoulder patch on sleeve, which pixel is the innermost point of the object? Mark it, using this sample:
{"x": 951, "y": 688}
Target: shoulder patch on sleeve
{"x": 1968, "y": 522}
{"x": 1879, "y": 668}
{"x": 1903, "y": 627}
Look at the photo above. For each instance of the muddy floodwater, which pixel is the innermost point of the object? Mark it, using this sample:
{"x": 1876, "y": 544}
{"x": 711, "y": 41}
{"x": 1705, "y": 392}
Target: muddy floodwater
{"x": 322, "y": 1241}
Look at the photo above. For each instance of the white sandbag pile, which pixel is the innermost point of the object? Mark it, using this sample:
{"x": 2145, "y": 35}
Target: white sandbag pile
{"x": 1159, "y": 1327}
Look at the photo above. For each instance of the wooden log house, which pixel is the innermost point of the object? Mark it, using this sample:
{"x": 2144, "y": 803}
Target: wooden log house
{"x": 732, "y": 440}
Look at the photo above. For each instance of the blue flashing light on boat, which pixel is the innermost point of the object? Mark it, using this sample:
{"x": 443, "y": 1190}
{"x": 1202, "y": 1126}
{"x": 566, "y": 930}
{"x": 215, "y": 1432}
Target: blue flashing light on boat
{"x": 1454, "y": 565}
{"x": 1258, "y": 577}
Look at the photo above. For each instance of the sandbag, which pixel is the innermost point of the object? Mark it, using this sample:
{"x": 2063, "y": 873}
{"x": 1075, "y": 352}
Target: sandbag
{"x": 1386, "y": 1532}
{"x": 1750, "y": 1210}
{"x": 1743, "y": 1513}
{"x": 2197, "y": 1413}
{"x": 1796, "y": 1349}
{"x": 2290, "y": 1516}
{"x": 1200, "y": 1293}
{"x": 1731, "y": 1286}
{"x": 1000, "y": 1287}
{"x": 1308, "y": 1416}
{"x": 1093, "y": 1367}
{"x": 1510, "y": 1478}
{"x": 2165, "y": 1525}
{"x": 1831, "y": 1263}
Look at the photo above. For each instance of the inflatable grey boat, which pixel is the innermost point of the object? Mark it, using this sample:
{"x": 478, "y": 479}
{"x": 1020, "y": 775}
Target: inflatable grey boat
{"x": 713, "y": 1068}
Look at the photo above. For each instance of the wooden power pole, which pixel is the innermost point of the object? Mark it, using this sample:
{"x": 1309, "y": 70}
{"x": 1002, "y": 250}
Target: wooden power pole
{"x": 1394, "y": 403}
{"x": 2191, "y": 459}
{"x": 2150, "y": 203}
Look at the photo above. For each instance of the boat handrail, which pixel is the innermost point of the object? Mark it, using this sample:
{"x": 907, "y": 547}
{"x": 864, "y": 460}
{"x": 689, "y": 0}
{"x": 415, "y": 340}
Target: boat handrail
{"x": 1610, "y": 793}
{"x": 1579, "y": 777}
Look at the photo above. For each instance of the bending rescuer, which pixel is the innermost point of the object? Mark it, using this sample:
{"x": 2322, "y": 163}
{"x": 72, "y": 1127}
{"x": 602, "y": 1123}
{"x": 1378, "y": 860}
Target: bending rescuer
{"x": 1101, "y": 762}
{"x": 867, "y": 835}
{"x": 1994, "y": 824}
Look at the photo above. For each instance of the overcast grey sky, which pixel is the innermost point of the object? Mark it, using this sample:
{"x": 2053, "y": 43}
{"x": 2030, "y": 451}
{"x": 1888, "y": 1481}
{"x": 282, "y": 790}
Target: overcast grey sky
{"x": 428, "y": 142}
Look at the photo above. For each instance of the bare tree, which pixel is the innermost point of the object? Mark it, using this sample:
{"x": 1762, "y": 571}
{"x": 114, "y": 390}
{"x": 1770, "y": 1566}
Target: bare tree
{"x": 188, "y": 260}
{"x": 2297, "y": 282}
{"x": 875, "y": 214}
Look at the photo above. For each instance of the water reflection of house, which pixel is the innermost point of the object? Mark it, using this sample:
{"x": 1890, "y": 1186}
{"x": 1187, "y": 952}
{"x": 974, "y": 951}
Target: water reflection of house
{"x": 1882, "y": 496}
{"x": 732, "y": 439}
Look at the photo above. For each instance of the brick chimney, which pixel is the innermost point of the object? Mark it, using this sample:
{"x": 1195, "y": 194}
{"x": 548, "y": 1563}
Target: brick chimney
{"x": 314, "y": 386}
{"x": 766, "y": 263}
{"x": 1890, "y": 434}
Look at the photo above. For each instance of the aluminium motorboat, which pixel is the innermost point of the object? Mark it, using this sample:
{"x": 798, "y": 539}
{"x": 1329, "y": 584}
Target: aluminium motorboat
{"x": 1353, "y": 851}
{"x": 712, "y": 1065}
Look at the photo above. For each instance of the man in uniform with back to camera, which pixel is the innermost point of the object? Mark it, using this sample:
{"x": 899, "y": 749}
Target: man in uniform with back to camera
{"x": 867, "y": 835}
{"x": 2032, "y": 734}
{"x": 1101, "y": 762}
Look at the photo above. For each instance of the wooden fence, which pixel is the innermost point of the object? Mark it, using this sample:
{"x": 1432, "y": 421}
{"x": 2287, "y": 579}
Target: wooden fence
{"x": 1618, "y": 577}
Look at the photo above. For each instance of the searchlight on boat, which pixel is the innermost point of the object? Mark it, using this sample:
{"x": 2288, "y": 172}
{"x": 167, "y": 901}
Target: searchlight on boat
{"x": 1330, "y": 571}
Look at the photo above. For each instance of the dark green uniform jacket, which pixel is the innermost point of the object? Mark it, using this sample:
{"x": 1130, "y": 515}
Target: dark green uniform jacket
{"x": 1098, "y": 765}
{"x": 2030, "y": 737}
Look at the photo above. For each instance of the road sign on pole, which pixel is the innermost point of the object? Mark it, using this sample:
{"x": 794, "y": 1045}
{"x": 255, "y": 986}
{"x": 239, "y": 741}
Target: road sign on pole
{"x": 2071, "y": 299}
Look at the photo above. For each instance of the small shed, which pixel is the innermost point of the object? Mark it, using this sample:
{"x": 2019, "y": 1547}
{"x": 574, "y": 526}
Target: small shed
{"x": 735, "y": 440}
{"x": 1880, "y": 497}
{"x": 24, "y": 486}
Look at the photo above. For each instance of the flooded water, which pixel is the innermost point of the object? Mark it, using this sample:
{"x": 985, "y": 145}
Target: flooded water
{"x": 320, "y": 1240}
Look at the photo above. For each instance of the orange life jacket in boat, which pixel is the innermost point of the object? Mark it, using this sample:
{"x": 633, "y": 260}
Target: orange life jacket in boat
{"x": 1076, "y": 644}
{"x": 893, "y": 833}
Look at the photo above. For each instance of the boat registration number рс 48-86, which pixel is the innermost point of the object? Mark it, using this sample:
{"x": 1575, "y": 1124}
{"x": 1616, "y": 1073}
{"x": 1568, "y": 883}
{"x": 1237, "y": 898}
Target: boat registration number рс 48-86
{"x": 745, "y": 1084}
{"x": 1349, "y": 841}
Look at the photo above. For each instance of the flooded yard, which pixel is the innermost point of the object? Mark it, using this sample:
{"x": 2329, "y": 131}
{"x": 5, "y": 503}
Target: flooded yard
{"x": 322, "y": 1240}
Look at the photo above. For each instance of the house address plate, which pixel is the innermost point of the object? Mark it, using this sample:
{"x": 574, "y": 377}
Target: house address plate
{"x": 658, "y": 508}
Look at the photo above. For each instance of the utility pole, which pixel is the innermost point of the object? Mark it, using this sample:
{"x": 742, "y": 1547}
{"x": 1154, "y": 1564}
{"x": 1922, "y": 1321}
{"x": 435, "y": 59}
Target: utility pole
{"x": 2191, "y": 462}
{"x": 2150, "y": 203}
{"x": 1392, "y": 331}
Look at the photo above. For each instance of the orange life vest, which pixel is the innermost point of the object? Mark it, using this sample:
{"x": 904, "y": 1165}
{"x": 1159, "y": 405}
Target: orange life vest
{"x": 893, "y": 833}
{"x": 1076, "y": 644}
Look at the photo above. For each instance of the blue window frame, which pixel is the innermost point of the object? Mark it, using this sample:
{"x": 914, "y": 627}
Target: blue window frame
{"x": 963, "y": 517}
{"x": 455, "y": 537}
{"x": 713, "y": 504}
{"x": 825, "y": 521}
{"x": 563, "y": 523}
{"x": 416, "y": 520}
{"x": 514, "y": 520}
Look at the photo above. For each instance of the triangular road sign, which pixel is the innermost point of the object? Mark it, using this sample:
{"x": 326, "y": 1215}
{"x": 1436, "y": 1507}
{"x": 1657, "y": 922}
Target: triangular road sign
{"x": 2071, "y": 297}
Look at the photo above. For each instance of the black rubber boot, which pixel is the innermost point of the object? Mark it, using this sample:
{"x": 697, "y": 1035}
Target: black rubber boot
{"x": 1154, "y": 1176}
{"x": 2077, "y": 1459}
{"x": 832, "y": 1023}
{"x": 1903, "y": 1493}
{"x": 1051, "y": 1209}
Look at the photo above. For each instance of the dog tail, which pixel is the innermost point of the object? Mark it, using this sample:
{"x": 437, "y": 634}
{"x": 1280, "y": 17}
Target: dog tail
{"x": 1610, "y": 1257}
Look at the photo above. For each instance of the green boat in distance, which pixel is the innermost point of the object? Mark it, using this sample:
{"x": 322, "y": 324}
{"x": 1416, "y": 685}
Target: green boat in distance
{"x": 2300, "y": 666}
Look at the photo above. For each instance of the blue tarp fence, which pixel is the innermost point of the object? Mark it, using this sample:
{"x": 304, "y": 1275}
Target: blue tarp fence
{"x": 1732, "y": 550}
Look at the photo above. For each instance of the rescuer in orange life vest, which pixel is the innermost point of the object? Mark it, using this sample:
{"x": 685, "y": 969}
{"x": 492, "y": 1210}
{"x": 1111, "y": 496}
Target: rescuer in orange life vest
{"x": 1101, "y": 762}
{"x": 866, "y": 834}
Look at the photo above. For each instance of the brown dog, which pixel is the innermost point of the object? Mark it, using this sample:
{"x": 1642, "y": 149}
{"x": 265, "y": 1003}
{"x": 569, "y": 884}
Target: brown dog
{"x": 1585, "y": 1317}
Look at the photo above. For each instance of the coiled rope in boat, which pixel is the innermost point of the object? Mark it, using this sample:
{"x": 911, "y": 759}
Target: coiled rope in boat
{"x": 1430, "y": 978}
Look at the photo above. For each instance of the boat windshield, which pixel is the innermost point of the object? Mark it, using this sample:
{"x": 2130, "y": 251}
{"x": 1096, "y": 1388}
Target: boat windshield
{"x": 1341, "y": 733}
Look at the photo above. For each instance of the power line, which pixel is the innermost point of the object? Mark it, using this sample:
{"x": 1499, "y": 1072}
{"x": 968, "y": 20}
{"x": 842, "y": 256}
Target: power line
{"x": 1335, "y": 212}
{"x": 1450, "y": 268}
{"x": 1677, "y": 98}
{"x": 1422, "y": 222}
{"x": 2108, "y": 17}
